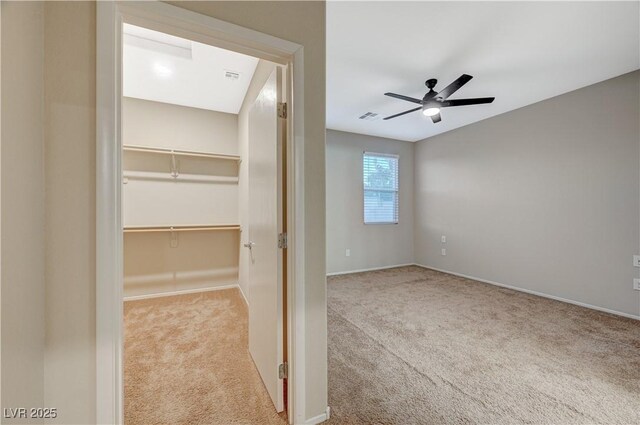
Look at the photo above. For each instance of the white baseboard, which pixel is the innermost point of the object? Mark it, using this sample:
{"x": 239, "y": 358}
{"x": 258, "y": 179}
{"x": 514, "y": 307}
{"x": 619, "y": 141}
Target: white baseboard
{"x": 320, "y": 418}
{"x": 540, "y": 294}
{"x": 183, "y": 292}
{"x": 370, "y": 270}
{"x": 244, "y": 297}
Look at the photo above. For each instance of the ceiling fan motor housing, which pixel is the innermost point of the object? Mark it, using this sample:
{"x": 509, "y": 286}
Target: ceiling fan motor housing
{"x": 430, "y": 83}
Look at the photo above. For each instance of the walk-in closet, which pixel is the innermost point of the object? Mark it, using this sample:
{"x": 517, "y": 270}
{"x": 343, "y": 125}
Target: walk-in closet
{"x": 180, "y": 198}
{"x": 190, "y": 113}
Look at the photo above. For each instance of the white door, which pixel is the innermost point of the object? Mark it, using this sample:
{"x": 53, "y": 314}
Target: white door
{"x": 265, "y": 218}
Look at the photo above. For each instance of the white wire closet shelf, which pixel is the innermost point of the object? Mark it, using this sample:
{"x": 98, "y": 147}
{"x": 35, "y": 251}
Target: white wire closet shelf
{"x": 179, "y": 152}
{"x": 180, "y": 228}
{"x": 150, "y": 176}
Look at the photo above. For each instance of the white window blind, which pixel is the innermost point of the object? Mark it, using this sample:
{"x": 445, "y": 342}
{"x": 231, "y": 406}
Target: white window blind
{"x": 380, "y": 177}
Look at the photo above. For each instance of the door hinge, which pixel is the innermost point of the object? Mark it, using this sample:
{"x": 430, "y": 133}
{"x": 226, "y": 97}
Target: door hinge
{"x": 282, "y": 110}
{"x": 283, "y": 370}
{"x": 282, "y": 240}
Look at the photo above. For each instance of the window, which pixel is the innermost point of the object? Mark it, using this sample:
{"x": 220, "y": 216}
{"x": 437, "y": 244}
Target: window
{"x": 380, "y": 178}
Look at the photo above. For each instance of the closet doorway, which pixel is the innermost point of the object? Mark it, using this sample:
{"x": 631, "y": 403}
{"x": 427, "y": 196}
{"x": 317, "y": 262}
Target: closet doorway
{"x": 204, "y": 232}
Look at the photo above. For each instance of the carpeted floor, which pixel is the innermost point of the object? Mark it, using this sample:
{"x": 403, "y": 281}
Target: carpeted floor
{"x": 406, "y": 346}
{"x": 187, "y": 362}
{"x": 414, "y": 346}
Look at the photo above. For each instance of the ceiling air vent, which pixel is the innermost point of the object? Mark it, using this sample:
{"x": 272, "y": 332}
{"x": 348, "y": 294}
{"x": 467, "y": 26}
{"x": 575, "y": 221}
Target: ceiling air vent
{"x": 369, "y": 116}
{"x": 231, "y": 75}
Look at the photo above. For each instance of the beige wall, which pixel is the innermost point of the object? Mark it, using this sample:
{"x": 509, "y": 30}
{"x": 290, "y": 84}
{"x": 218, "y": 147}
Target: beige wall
{"x": 22, "y": 207}
{"x": 201, "y": 260}
{"x": 260, "y": 76}
{"x": 70, "y": 191}
{"x": 157, "y": 124}
{"x": 544, "y": 198}
{"x": 70, "y": 133}
{"x": 371, "y": 245}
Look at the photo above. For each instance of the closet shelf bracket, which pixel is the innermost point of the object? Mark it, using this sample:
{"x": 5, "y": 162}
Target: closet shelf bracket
{"x": 174, "y": 165}
{"x": 174, "y": 238}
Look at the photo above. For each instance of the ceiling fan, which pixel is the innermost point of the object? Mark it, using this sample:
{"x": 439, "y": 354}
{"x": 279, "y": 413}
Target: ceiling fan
{"x": 433, "y": 101}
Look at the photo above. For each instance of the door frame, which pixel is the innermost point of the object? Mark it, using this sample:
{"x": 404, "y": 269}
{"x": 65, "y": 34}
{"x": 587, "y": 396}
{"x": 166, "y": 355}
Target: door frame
{"x": 109, "y": 240}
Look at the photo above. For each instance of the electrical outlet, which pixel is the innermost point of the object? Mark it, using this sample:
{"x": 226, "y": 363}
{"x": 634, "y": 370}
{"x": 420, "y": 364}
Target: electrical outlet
{"x": 443, "y": 251}
{"x": 636, "y": 261}
{"x": 443, "y": 239}
{"x": 636, "y": 284}
{"x": 347, "y": 252}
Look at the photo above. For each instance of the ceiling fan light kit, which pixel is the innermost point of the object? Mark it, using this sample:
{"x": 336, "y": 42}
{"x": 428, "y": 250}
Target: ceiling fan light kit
{"x": 433, "y": 101}
{"x": 430, "y": 111}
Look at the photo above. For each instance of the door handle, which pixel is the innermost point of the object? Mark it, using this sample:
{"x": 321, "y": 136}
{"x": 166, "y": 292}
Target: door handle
{"x": 249, "y": 245}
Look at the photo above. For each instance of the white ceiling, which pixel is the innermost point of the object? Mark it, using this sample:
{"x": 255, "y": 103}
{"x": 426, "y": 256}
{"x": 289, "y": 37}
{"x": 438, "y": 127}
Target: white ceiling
{"x": 168, "y": 69}
{"x": 521, "y": 53}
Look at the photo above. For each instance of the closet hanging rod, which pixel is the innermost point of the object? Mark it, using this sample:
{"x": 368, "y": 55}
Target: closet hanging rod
{"x": 136, "y": 148}
{"x": 139, "y": 229}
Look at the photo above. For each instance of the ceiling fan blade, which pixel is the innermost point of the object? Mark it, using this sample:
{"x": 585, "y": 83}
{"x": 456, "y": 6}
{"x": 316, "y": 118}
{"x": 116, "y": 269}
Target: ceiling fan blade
{"x": 453, "y": 87}
{"x": 465, "y": 102}
{"x": 436, "y": 118}
{"x": 402, "y": 113}
{"x": 402, "y": 97}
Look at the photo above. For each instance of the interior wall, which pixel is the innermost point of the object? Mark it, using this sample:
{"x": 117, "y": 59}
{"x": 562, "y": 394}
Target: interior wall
{"x": 543, "y": 198}
{"x": 22, "y": 254}
{"x": 157, "y": 124}
{"x": 201, "y": 260}
{"x": 70, "y": 135}
{"x": 70, "y": 52}
{"x": 370, "y": 245}
{"x": 205, "y": 192}
{"x": 260, "y": 76}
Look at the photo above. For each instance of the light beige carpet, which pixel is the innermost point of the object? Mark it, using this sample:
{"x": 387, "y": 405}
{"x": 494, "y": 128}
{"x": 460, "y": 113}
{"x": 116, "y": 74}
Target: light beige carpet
{"x": 187, "y": 362}
{"x": 414, "y": 346}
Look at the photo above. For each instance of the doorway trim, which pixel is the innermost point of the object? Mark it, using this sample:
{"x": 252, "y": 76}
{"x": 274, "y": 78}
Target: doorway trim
{"x": 109, "y": 240}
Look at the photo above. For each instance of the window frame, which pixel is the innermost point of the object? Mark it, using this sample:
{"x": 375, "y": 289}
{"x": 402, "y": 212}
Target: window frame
{"x": 396, "y": 190}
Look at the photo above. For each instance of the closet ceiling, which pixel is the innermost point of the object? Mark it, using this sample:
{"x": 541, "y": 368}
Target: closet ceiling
{"x": 519, "y": 52}
{"x": 169, "y": 69}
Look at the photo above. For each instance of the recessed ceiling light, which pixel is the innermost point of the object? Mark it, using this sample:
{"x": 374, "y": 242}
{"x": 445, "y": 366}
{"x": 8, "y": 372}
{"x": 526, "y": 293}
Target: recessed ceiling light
{"x": 162, "y": 71}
